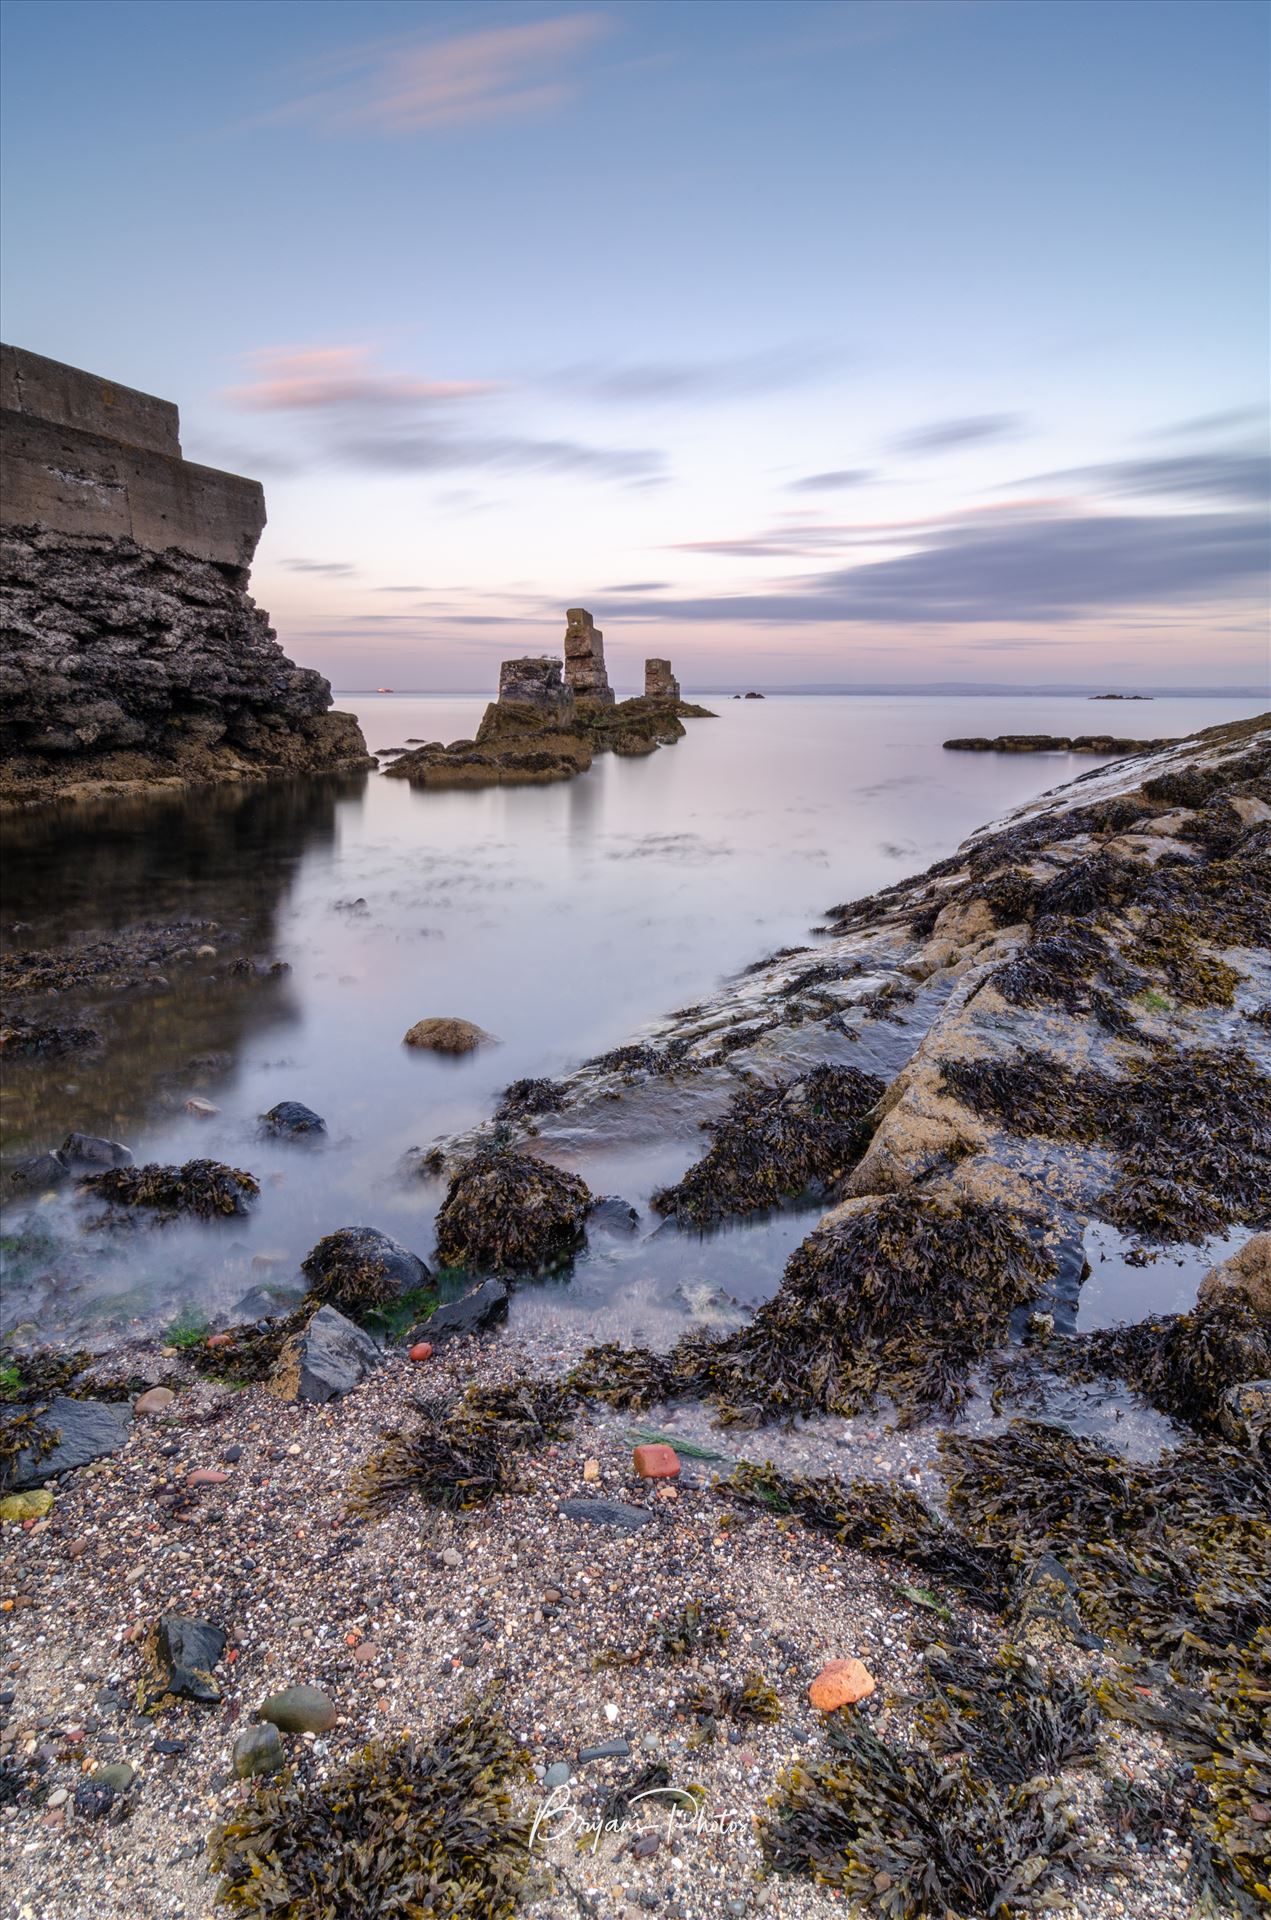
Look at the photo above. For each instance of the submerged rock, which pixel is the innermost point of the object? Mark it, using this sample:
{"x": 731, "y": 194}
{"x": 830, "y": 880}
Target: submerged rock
{"x": 291, "y": 1121}
{"x": 1244, "y": 1416}
{"x": 360, "y": 1270}
{"x": 202, "y": 1187}
{"x": 512, "y": 1213}
{"x": 80, "y": 1150}
{"x": 324, "y": 1359}
{"x": 446, "y": 1034}
{"x": 178, "y": 1658}
{"x": 66, "y": 1434}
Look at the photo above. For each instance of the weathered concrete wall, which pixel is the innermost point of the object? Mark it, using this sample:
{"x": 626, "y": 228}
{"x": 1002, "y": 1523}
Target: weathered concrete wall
{"x": 81, "y": 456}
{"x": 535, "y": 681}
{"x": 585, "y": 657}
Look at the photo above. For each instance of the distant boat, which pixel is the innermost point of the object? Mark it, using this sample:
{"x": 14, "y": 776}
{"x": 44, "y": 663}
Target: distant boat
{"x": 384, "y": 689}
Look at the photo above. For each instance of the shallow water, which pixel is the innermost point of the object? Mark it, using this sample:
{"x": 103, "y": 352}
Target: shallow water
{"x": 559, "y": 918}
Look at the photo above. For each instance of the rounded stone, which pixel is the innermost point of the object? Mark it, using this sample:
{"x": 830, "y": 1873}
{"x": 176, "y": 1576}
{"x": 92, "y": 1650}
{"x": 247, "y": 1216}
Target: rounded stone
{"x": 299, "y": 1709}
{"x": 841, "y": 1683}
{"x": 258, "y": 1750}
{"x": 154, "y": 1400}
{"x": 656, "y": 1461}
{"x": 421, "y": 1351}
{"x": 446, "y": 1034}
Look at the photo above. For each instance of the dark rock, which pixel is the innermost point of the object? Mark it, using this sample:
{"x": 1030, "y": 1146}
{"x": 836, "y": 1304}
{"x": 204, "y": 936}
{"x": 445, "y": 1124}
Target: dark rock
{"x": 68, "y": 1434}
{"x": 1244, "y": 1415}
{"x": 258, "y": 1750}
{"x": 360, "y": 1270}
{"x": 291, "y": 1121}
{"x": 473, "y": 1312}
{"x": 511, "y": 1213}
{"x": 180, "y": 1655}
{"x": 299, "y": 1709}
{"x": 607, "y": 1513}
{"x": 326, "y": 1358}
{"x": 612, "y": 1215}
{"x": 1048, "y": 1592}
{"x": 87, "y": 1150}
{"x": 270, "y": 1301}
{"x": 94, "y": 1798}
{"x": 42, "y": 1171}
{"x": 607, "y": 1750}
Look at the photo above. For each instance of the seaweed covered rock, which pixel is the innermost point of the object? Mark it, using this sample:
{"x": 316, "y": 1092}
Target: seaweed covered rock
{"x": 432, "y": 1820}
{"x": 511, "y": 1213}
{"x": 1246, "y": 1272}
{"x": 1186, "y": 1364}
{"x": 291, "y": 1120}
{"x": 201, "y": 1187}
{"x": 57, "y": 1438}
{"x": 777, "y": 1144}
{"x": 323, "y": 1358}
{"x": 897, "y": 1295}
{"x": 360, "y": 1270}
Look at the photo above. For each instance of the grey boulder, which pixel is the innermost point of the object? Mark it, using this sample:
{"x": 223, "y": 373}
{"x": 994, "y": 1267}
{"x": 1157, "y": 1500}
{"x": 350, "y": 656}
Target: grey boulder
{"x": 325, "y": 1359}
{"x": 79, "y": 1431}
{"x": 473, "y": 1312}
{"x": 88, "y": 1150}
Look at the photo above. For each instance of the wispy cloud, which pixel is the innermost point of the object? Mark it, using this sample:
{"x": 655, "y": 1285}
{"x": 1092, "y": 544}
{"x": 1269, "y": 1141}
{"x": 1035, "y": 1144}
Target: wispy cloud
{"x": 301, "y": 379}
{"x": 1042, "y": 566}
{"x": 1201, "y": 425}
{"x": 942, "y": 436}
{"x": 831, "y": 482}
{"x": 417, "y": 449}
{"x": 413, "y": 85}
{"x": 319, "y": 566}
{"x": 652, "y": 382}
{"x": 1228, "y": 475}
{"x": 639, "y": 586}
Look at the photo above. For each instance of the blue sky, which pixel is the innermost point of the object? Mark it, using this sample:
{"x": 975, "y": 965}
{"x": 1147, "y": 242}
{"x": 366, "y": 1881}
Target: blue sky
{"x": 853, "y": 342}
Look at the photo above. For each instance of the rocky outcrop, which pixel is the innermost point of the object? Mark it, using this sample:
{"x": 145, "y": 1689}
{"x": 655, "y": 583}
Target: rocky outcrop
{"x": 585, "y": 669}
{"x": 546, "y": 727}
{"x": 1106, "y": 743}
{"x": 133, "y": 654}
{"x": 659, "y": 682}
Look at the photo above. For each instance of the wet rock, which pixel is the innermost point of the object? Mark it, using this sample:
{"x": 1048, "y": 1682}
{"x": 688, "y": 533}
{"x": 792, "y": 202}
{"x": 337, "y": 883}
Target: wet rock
{"x": 38, "y": 1174}
{"x": 289, "y": 1120}
{"x": 607, "y": 1513}
{"x": 269, "y": 1301}
{"x": 1244, "y": 1415}
{"x": 299, "y": 1709}
{"x": 200, "y": 1109}
{"x": 80, "y": 1150}
{"x": 326, "y": 1358}
{"x": 1247, "y": 1271}
{"x": 656, "y": 1461}
{"x": 68, "y": 1434}
{"x": 606, "y": 1750}
{"x": 841, "y": 1683}
{"x": 558, "y": 1774}
{"x": 360, "y": 1270}
{"x": 154, "y": 1400}
{"x": 446, "y": 1035}
{"x": 421, "y": 1351}
{"x": 258, "y": 1750}
{"x": 201, "y": 1187}
{"x": 611, "y": 1215}
{"x": 511, "y": 1213}
{"x": 473, "y": 1312}
{"x": 180, "y": 1653}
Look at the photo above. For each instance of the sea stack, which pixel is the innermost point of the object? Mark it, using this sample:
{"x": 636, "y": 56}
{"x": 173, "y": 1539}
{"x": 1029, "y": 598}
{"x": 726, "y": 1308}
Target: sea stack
{"x": 659, "y": 682}
{"x": 535, "y": 681}
{"x": 133, "y": 654}
{"x": 585, "y": 657}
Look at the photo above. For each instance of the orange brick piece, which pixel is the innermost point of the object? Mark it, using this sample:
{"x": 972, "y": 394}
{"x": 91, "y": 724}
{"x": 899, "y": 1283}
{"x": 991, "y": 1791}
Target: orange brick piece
{"x": 841, "y": 1684}
{"x": 656, "y": 1462}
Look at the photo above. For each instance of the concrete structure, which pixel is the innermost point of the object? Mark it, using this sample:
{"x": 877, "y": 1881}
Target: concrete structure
{"x": 659, "y": 682}
{"x": 585, "y": 657}
{"x": 536, "y": 681}
{"x": 81, "y": 455}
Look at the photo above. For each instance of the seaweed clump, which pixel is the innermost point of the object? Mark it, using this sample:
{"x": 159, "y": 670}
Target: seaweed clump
{"x": 1013, "y": 1717}
{"x": 423, "y": 1827}
{"x": 1182, "y": 1364}
{"x": 1192, "y": 1128}
{"x": 775, "y": 1144}
{"x": 751, "y": 1699}
{"x": 1174, "y": 1558}
{"x": 202, "y": 1187}
{"x": 361, "y": 1271}
{"x": 880, "y": 1518}
{"x": 913, "y": 1835}
{"x": 525, "y": 1098}
{"x": 1220, "y": 1731}
{"x": 857, "y": 1315}
{"x": 691, "y": 1630}
{"x": 511, "y": 1213}
{"x": 462, "y": 1459}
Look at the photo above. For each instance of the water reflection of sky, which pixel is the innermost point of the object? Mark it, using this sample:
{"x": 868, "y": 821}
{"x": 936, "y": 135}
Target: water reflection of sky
{"x": 559, "y": 918}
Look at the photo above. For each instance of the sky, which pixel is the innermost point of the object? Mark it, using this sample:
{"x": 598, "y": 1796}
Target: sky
{"x": 839, "y": 342}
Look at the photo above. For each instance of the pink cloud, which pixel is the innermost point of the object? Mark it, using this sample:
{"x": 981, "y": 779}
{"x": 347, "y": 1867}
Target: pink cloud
{"x": 290, "y": 379}
{"x": 413, "y": 86}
